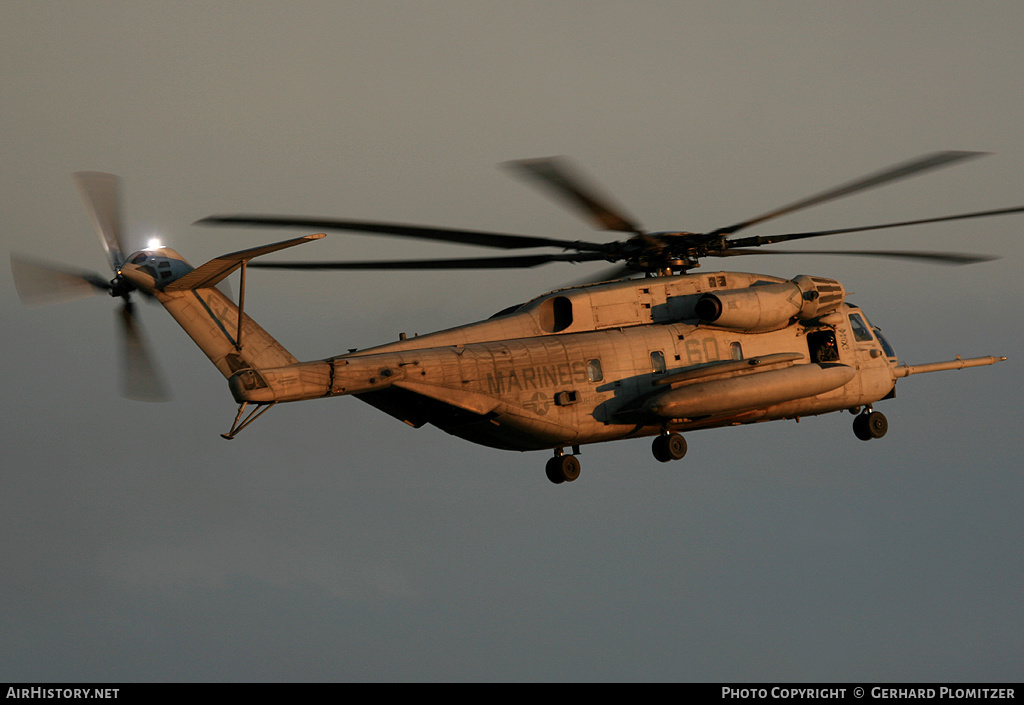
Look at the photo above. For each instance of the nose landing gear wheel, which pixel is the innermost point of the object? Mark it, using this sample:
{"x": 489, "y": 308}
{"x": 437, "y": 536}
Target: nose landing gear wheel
{"x": 562, "y": 468}
{"x": 668, "y": 447}
{"x": 870, "y": 425}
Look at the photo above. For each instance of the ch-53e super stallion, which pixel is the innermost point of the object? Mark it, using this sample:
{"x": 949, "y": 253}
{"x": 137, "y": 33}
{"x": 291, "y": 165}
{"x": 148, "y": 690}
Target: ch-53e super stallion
{"x": 618, "y": 358}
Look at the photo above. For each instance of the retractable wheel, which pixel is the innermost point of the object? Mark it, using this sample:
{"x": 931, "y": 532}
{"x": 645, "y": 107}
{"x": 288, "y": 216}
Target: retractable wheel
{"x": 870, "y": 425}
{"x": 562, "y": 468}
{"x": 668, "y": 447}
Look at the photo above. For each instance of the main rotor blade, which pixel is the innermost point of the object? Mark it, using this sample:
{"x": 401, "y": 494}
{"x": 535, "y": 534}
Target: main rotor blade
{"x": 556, "y": 175}
{"x": 140, "y": 379}
{"x": 758, "y": 240}
{"x": 99, "y": 194}
{"x": 465, "y": 237}
{"x": 950, "y": 258}
{"x": 518, "y": 262}
{"x": 42, "y": 283}
{"x": 900, "y": 171}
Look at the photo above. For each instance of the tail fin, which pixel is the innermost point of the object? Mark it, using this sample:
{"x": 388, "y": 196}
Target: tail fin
{"x": 222, "y": 330}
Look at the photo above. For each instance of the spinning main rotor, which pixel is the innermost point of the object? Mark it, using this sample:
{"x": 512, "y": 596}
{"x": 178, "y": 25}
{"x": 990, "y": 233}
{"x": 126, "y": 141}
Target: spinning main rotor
{"x": 654, "y": 253}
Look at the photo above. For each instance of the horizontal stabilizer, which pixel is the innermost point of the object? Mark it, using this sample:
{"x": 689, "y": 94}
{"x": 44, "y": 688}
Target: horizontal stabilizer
{"x": 465, "y": 399}
{"x": 209, "y": 274}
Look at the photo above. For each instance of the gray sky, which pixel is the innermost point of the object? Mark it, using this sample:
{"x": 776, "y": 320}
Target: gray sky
{"x": 332, "y": 542}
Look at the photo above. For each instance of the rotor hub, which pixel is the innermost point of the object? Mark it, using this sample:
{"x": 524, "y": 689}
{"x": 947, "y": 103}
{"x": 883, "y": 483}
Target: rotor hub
{"x": 121, "y": 286}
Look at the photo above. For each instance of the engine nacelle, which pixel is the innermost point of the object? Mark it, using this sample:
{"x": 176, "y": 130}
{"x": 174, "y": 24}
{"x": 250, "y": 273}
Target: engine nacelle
{"x": 771, "y": 306}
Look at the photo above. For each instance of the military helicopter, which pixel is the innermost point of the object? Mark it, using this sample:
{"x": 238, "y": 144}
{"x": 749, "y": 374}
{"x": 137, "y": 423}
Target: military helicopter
{"x": 611, "y": 359}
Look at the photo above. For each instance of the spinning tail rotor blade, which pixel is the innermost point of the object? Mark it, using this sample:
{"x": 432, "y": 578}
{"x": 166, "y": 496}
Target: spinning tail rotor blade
{"x": 99, "y": 193}
{"x": 41, "y": 283}
{"x": 140, "y": 379}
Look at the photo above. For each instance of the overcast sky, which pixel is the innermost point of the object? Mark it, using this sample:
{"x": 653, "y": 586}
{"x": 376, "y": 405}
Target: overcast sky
{"x": 332, "y": 542}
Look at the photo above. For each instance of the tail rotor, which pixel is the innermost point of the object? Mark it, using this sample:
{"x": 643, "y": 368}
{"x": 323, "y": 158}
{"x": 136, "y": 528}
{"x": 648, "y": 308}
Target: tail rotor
{"x": 41, "y": 283}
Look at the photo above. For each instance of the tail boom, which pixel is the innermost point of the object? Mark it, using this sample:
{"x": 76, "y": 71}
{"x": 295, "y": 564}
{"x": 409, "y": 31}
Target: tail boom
{"x": 312, "y": 380}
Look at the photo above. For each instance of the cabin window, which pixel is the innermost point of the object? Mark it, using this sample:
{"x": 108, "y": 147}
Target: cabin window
{"x": 861, "y": 332}
{"x": 594, "y": 373}
{"x": 736, "y": 351}
{"x": 658, "y": 362}
{"x": 555, "y": 314}
{"x": 822, "y": 346}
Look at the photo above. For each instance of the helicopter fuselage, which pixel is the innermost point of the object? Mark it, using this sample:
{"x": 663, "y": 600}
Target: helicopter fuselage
{"x": 615, "y": 360}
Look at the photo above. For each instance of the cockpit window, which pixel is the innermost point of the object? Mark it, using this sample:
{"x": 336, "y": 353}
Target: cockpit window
{"x": 861, "y": 332}
{"x": 889, "y": 352}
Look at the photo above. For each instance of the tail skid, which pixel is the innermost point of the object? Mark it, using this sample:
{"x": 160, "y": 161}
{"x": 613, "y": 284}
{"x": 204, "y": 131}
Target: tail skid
{"x": 242, "y": 420}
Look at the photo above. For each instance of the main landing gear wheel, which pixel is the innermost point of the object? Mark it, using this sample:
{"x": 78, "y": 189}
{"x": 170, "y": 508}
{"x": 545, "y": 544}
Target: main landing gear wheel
{"x": 870, "y": 425}
{"x": 668, "y": 447}
{"x": 562, "y": 468}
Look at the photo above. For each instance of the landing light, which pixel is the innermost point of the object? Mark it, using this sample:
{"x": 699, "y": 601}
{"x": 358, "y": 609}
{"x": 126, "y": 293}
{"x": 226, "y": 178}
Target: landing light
{"x": 154, "y": 244}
